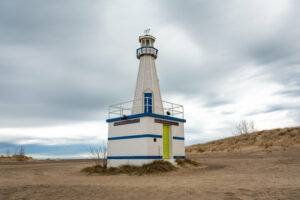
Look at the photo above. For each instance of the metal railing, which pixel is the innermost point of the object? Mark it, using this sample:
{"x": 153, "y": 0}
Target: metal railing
{"x": 143, "y": 106}
{"x": 146, "y": 50}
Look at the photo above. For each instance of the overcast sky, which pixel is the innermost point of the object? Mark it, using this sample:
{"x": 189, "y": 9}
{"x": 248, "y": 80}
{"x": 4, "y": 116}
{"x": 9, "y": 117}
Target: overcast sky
{"x": 63, "y": 62}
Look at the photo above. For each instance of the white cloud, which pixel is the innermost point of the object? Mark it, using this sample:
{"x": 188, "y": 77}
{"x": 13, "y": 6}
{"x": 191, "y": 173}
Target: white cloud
{"x": 174, "y": 42}
{"x": 56, "y": 157}
{"x": 80, "y": 133}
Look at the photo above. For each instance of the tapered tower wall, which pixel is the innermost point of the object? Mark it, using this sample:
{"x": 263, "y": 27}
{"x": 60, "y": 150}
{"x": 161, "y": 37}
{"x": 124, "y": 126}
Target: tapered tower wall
{"x": 147, "y": 80}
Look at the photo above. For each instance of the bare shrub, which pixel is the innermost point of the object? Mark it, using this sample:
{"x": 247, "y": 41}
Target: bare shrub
{"x": 7, "y": 152}
{"x": 22, "y": 151}
{"x": 19, "y": 154}
{"x": 244, "y": 127}
{"x": 99, "y": 154}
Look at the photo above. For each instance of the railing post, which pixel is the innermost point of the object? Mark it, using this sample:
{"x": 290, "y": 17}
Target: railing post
{"x": 121, "y": 111}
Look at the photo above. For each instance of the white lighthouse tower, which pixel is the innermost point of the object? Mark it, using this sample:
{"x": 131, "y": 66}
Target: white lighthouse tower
{"x": 147, "y": 81}
{"x": 147, "y": 128}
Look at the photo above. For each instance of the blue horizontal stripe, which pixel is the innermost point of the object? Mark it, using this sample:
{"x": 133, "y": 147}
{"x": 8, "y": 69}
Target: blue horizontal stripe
{"x": 180, "y": 157}
{"x": 178, "y": 138}
{"x": 134, "y": 157}
{"x": 135, "y": 136}
{"x": 145, "y": 115}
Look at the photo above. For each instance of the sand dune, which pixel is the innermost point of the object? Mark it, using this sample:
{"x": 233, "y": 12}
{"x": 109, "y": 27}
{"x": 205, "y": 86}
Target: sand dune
{"x": 266, "y": 140}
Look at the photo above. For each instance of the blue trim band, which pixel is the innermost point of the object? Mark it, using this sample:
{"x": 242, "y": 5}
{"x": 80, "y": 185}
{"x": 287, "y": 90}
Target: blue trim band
{"x": 135, "y": 136}
{"x": 178, "y": 138}
{"x": 134, "y": 157}
{"x": 141, "y": 157}
{"x": 145, "y": 115}
{"x": 180, "y": 157}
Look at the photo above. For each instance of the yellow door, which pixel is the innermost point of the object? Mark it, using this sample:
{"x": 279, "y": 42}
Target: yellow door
{"x": 166, "y": 141}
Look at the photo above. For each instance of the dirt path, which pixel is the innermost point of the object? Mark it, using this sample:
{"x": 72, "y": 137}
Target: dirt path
{"x": 261, "y": 175}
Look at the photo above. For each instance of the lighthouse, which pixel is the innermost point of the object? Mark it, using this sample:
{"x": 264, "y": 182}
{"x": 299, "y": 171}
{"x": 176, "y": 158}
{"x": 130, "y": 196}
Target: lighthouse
{"x": 146, "y": 128}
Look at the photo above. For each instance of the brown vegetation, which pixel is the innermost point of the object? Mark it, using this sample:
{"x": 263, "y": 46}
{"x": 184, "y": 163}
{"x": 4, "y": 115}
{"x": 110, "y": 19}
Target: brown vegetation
{"x": 187, "y": 162}
{"x": 18, "y": 156}
{"x": 266, "y": 140}
{"x": 15, "y": 158}
{"x": 157, "y": 166}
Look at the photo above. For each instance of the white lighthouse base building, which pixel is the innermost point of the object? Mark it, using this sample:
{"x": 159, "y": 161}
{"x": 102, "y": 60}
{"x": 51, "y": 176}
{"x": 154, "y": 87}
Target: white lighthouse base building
{"x": 141, "y": 140}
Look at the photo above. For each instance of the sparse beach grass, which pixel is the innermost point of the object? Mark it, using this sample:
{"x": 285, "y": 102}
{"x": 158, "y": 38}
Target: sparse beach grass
{"x": 187, "y": 162}
{"x": 158, "y": 166}
{"x": 15, "y": 158}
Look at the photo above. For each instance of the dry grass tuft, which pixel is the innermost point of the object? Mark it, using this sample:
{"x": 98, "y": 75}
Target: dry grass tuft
{"x": 21, "y": 158}
{"x": 157, "y": 166}
{"x": 265, "y": 140}
{"x": 187, "y": 162}
{"x": 16, "y": 158}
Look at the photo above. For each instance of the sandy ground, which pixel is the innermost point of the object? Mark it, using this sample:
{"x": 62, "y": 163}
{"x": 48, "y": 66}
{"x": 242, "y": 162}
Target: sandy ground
{"x": 258, "y": 175}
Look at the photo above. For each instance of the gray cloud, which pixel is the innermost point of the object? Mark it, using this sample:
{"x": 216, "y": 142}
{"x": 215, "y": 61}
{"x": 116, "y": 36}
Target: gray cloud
{"x": 62, "y": 62}
{"x": 55, "y": 63}
{"x": 236, "y": 36}
{"x": 274, "y": 108}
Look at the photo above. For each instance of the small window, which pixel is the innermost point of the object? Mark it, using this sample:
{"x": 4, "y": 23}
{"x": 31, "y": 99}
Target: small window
{"x": 147, "y": 43}
{"x": 154, "y": 139}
